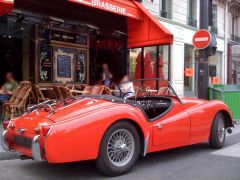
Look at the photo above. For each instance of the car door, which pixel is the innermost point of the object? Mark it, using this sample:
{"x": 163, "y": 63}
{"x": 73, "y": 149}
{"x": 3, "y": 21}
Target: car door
{"x": 173, "y": 129}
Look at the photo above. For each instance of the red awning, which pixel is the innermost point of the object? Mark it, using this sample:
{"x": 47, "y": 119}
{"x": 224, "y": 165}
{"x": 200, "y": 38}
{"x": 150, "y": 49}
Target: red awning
{"x": 147, "y": 32}
{"x": 6, "y": 6}
{"x": 143, "y": 28}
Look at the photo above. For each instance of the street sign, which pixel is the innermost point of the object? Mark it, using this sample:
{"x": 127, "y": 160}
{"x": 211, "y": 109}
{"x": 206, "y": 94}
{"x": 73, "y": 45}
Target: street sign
{"x": 202, "y": 39}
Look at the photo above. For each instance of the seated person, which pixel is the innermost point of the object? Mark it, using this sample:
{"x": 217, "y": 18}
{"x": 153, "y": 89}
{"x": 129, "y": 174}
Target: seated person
{"x": 7, "y": 89}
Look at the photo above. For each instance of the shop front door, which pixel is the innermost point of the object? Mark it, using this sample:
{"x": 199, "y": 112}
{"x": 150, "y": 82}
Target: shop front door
{"x": 190, "y": 71}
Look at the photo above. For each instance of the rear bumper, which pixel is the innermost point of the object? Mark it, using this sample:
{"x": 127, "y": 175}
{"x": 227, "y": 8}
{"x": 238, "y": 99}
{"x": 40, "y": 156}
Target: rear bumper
{"x": 5, "y": 145}
{"x": 35, "y": 146}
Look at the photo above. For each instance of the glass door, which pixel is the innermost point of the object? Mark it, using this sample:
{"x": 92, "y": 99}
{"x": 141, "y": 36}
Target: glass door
{"x": 190, "y": 71}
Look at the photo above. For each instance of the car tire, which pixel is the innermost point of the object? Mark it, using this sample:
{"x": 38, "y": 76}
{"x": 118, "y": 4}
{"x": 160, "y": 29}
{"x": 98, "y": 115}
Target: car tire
{"x": 119, "y": 149}
{"x": 218, "y": 132}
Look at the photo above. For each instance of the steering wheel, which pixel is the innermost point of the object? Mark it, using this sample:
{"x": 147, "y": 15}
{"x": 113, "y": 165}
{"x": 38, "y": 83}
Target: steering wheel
{"x": 126, "y": 95}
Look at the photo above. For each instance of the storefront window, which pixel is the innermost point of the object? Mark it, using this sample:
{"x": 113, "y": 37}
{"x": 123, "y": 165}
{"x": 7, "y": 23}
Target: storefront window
{"x": 216, "y": 61}
{"x": 135, "y": 63}
{"x": 153, "y": 63}
{"x": 190, "y": 69}
{"x": 164, "y": 62}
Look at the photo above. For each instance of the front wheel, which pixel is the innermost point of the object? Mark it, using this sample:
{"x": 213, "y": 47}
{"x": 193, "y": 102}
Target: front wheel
{"x": 119, "y": 149}
{"x": 218, "y": 132}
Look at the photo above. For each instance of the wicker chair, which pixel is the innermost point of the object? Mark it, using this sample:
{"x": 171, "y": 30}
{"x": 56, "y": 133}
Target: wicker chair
{"x": 57, "y": 92}
{"x": 37, "y": 94}
{"x": 66, "y": 93}
{"x": 87, "y": 90}
{"x": 19, "y": 104}
{"x": 97, "y": 90}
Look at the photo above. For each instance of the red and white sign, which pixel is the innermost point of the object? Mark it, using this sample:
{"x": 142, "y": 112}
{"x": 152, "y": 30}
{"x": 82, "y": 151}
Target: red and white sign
{"x": 202, "y": 39}
{"x": 126, "y": 8}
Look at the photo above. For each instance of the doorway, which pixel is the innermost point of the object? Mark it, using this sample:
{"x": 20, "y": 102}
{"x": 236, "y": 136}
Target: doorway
{"x": 191, "y": 56}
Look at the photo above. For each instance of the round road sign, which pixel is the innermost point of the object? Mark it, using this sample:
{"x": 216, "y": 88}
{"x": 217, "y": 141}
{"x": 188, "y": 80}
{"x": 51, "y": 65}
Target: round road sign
{"x": 202, "y": 39}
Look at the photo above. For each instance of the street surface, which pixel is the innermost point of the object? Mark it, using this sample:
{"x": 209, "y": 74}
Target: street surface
{"x": 197, "y": 162}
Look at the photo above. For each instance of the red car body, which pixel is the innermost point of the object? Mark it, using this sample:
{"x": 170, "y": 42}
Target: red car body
{"x": 73, "y": 131}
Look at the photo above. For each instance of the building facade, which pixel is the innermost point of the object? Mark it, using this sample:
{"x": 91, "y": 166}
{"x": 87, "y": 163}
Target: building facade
{"x": 181, "y": 17}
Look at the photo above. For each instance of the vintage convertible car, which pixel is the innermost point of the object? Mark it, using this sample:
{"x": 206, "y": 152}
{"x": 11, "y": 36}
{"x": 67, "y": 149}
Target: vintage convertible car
{"x": 114, "y": 131}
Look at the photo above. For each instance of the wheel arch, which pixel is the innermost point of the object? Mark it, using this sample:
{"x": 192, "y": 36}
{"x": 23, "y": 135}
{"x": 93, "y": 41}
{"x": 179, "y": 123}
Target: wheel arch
{"x": 227, "y": 117}
{"x": 143, "y": 138}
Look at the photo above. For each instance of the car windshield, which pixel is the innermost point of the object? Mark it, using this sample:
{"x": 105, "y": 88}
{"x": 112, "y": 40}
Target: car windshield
{"x": 144, "y": 87}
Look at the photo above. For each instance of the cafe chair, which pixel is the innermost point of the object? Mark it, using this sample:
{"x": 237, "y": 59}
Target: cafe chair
{"x": 19, "y": 105}
{"x": 87, "y": 90}
{"x": 97, "y": 90}
{"x": 57, "y": 92}
{"x": 70, "y": 87}
{"x": 65, "y": 92}
{"x": 37, "y": 94}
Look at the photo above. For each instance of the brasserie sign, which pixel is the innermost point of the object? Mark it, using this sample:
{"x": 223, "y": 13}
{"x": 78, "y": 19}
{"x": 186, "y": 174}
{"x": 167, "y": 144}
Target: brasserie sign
{"x": 117, "y": 7}
{"x": 109, "y": 6}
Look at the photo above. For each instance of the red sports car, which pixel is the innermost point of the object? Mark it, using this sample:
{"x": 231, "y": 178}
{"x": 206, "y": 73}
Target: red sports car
{"x": 115, "y": 131}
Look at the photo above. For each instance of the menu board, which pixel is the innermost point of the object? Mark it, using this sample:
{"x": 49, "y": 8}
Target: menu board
{"x": 64, "y": 66}
{"x": 45, "y": 63}
{"x": 81, "y": 67}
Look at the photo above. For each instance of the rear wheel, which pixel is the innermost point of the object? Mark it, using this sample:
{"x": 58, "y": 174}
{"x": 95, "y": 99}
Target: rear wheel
{"x": 119, "y": 150}
{"x": 218, "y": 132}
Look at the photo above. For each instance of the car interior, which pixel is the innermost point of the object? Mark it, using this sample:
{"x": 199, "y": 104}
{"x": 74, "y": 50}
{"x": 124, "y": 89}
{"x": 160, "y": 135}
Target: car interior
{"x": 154, "y": 107}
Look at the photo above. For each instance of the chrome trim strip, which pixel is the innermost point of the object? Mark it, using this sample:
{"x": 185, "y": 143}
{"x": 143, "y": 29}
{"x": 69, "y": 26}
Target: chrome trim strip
{"x": 36, "y": 151}
{"x": 49, "y": 130}
{"x": 4, "y": 141}
{"x": 145, "y": 145}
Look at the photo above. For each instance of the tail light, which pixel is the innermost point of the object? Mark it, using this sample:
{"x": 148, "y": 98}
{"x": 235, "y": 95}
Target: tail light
{"x": 46, "y": 130}
{"x": 5, "y": 124}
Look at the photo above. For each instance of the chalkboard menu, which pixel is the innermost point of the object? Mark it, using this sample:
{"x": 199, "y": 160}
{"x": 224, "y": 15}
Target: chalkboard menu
{"x": 64, "y": 66}
{"x": 45, "y": 63}
{"x": 81, "y": 67}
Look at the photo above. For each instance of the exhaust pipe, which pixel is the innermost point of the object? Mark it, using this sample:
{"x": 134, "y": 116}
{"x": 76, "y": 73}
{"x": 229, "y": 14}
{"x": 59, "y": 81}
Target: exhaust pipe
{"x": 229, "y": 131}
{"x": 23, "y": 157}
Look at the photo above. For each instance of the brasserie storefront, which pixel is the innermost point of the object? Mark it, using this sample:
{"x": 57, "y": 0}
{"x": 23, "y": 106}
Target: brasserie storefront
{"x": 67, "y": 41}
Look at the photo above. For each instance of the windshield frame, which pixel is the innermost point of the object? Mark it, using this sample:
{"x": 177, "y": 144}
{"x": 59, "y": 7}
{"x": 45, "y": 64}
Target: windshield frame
{"x": 151, "y": 79}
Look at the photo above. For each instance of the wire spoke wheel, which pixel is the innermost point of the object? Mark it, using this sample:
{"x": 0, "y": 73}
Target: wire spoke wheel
{"x": 120, "y": 147}
{"x": 221, "y": 129}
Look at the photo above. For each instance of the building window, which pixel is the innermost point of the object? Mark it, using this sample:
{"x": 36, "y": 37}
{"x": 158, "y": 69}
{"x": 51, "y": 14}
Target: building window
{"x": 234, "y": 35}
{"x": 214, "y": 19}
{"x": 192, "y": 8}
{"x": 165, "y": 8}
{"x": 216, "y": 60}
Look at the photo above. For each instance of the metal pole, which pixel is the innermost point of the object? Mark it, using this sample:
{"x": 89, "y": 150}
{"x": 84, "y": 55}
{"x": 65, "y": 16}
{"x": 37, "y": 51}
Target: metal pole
{"x": 203, "y": 75}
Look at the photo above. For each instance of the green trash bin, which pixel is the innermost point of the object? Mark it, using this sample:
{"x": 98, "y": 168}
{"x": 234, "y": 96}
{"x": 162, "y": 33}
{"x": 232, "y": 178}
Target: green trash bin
{"x": 230, "y": 94}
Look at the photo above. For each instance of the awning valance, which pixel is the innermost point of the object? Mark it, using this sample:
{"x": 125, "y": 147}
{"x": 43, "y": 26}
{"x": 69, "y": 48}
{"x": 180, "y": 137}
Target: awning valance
{"x": 6, "y": 6}
{"x": 143, "y": 28}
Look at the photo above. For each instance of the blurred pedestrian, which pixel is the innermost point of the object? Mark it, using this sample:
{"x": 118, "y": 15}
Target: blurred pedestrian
{"x": 106, "y": 75}
{"x": 9, "y": 86}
